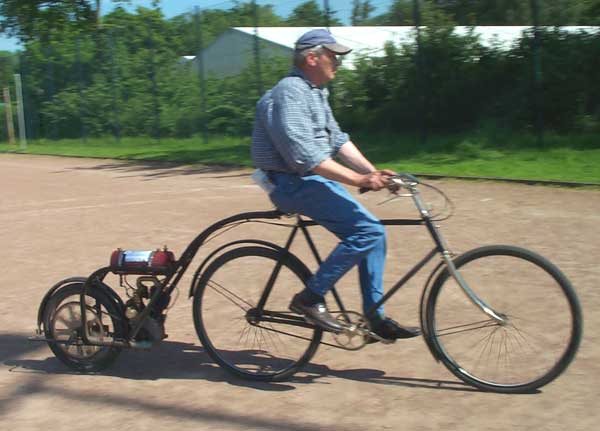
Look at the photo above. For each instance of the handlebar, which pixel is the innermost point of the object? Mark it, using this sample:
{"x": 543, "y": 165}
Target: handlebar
{"x": 409, "y": 182}
{"x": 396, "y": 182}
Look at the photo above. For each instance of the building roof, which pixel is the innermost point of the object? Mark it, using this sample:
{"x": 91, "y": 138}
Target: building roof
{"x": 371, "y": 40}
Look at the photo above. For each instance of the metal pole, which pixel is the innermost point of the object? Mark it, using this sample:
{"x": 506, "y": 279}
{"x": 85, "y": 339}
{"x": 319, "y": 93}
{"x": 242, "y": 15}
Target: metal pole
{"x": 259, "y": 83}
{"x": 330, "y": 85}
{"x": 537, "y": 73}
{"x": 32, "y": 121}
{"x": 98, "y": 14}
{"x": 80, "y": 87}
{"x": 50, "y": 132}
{"x": 21, "y": 112}
{"x": 200, "y": 58}
{"x": 421, "y": 98}
{"x": 10, "y": 128}
{"x": 113, "y": 84}
{"x": 156, "y": 125}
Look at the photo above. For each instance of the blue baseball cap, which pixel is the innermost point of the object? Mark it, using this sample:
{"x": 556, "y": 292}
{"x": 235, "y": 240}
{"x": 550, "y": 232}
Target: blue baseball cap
{"x": 321, "y": 37}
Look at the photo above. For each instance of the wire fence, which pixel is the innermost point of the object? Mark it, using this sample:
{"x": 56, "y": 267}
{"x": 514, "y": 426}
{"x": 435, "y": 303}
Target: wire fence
{"x": 140, "y": 74}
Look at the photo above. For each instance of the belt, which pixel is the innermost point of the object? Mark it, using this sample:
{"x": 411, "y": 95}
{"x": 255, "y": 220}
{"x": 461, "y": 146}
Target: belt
{"x": 269, "y": 173}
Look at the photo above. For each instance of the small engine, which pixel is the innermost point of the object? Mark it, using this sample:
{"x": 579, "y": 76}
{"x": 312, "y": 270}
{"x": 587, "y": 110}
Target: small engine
{"x": 148, "y": 265}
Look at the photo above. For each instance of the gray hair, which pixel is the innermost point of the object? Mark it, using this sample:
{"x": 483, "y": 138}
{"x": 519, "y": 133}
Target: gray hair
{"x": 300, "y": 56}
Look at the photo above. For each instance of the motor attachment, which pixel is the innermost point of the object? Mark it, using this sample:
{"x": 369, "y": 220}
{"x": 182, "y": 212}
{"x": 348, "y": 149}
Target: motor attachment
{"x": 141, "y": 262}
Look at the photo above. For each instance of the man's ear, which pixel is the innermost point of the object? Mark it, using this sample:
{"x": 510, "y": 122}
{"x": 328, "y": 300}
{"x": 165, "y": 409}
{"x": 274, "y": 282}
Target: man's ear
{"x": 311, "y": 59}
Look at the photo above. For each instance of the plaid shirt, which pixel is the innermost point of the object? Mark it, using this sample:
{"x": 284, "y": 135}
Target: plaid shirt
{"x": 294, "y": 128}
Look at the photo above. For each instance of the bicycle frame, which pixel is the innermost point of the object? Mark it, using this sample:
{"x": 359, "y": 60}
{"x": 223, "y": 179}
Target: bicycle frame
{"x": 172, "y": 279}
{"x": 440, "y": 247}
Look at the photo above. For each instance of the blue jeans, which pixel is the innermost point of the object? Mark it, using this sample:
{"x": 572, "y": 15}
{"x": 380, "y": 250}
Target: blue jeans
{"x": 362, "y": 236}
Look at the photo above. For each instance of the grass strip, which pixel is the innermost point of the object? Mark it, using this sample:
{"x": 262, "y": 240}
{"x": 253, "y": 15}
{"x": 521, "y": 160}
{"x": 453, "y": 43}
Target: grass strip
{"x": 562, "y": 158}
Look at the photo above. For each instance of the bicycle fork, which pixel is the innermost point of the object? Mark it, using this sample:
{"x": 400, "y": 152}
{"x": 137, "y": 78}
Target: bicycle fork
{"x": 442, "y": 247}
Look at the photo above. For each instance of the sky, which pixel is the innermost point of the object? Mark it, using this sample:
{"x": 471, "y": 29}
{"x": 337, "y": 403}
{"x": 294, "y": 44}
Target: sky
{"x": 171, "y": 8}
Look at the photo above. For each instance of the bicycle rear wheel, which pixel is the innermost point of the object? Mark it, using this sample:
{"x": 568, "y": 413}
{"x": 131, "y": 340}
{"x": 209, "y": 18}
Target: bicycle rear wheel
{"x": 268, "y": 346}
{"x": 543, "y": 320}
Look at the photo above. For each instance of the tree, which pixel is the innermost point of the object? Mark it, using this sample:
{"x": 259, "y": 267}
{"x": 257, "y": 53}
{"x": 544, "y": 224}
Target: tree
{"x": 361, "y": 10}
{"x": 493, "y": 12}
{"x": 400, "y": 13}
{"x": 485, "y": 12}
{"x": 518, "y": 12}
{"x": 213, "y": 22}
{"x": 591, "y": 13}
{"x": 309, "y": 14}
{"x": 8, "y": 66}
{"x": 31, "y": 19}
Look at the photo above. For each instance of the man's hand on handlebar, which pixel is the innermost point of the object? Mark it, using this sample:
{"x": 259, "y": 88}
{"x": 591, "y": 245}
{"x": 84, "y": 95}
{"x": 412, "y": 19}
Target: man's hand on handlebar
{"x": 376, "y": 180}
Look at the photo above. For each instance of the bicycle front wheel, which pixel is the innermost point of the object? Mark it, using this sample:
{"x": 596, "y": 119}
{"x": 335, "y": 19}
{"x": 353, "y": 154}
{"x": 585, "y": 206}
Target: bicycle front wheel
{"x": 269, "y": 344}
{"x": 542, "y": 327}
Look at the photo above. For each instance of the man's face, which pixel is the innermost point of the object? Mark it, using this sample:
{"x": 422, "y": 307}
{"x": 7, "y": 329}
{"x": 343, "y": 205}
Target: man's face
{"x": 324, "y": 66}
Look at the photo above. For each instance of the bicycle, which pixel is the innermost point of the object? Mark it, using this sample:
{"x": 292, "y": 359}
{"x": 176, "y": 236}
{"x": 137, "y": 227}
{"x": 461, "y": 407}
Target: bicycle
{"x": 484, "y": 335}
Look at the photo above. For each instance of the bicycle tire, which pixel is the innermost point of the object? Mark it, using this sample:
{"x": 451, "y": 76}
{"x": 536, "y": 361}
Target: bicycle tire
{"x": 544, "y": 320}
{"x": 64, "y": 305}
{"x": 262, "y": 351}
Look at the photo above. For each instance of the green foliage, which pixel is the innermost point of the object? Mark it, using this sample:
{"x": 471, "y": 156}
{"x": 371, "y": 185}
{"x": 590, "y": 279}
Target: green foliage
{"x": 361, "y": 10}
{"x": 35, "y": 19}
{"x": 401, "y": 13}
{"x": 486, "y": 12}
{"x": 185, "y": 28}
{"x": 309, "y": 14}
{"x": 127, "y": 75}
{"x": 496, "y": 12}
{"x": 8, "y": 66}
{"x": 454, "y": 83}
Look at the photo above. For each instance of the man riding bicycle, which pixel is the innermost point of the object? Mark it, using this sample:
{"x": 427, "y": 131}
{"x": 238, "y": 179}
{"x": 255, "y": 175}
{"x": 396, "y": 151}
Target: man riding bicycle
{"x": 295, "y": 140}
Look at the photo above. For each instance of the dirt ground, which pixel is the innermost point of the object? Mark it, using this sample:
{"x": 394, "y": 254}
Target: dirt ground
{"x": 61, "y": 217}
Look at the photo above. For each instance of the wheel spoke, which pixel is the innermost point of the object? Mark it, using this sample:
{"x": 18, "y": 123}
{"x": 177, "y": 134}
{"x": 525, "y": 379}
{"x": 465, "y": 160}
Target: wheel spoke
{"x": 467, "y": 327}
{"x": 289, "y": 334}
{"x": 229, "y": 295}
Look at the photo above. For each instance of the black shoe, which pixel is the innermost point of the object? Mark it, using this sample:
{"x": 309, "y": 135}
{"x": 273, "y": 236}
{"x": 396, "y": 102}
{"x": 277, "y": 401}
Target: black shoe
{"x": 389, "y": 329}
{"x": 316, "y": 313}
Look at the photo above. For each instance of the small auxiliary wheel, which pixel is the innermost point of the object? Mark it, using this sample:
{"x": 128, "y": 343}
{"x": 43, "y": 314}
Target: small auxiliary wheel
{"x": 62, "y": 322}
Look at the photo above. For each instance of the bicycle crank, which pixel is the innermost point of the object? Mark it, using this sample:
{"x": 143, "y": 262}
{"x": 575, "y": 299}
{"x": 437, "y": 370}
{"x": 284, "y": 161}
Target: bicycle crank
{"x": 356, "y": 332}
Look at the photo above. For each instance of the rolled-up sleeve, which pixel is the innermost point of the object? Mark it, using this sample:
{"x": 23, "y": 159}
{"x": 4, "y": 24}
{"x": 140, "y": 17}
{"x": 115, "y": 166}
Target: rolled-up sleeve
{"x": 338, "y": 138}
{"x": 291, "y": 130}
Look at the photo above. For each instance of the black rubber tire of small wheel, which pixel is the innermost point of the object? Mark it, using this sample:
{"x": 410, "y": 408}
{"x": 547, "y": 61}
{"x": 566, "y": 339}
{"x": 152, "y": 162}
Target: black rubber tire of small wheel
{"x": 105, "y": 356}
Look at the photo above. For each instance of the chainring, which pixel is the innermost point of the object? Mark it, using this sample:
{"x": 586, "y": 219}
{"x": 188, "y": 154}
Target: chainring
{"x": 357, "y": 333}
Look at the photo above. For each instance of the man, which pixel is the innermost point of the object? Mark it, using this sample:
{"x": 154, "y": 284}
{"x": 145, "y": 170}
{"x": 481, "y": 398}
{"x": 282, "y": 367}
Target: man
{"x": 295, "y": 140}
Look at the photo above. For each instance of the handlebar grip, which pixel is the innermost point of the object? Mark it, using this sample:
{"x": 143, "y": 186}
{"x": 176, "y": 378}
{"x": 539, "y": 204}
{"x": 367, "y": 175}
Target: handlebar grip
{"x": 364, "y": 190}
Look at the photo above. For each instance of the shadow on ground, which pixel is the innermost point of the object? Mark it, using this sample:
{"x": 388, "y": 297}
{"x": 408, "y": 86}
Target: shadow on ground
{"x": 155, "y": 170}
{"x": 176, "y": 360}
{"x": 42, "y": 377}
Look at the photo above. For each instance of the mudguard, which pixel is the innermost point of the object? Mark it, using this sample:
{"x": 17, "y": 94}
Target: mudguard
{"x": 423, "y": 308}
{"x": 220, "y": 250}
{"x": 68, "y": 282}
